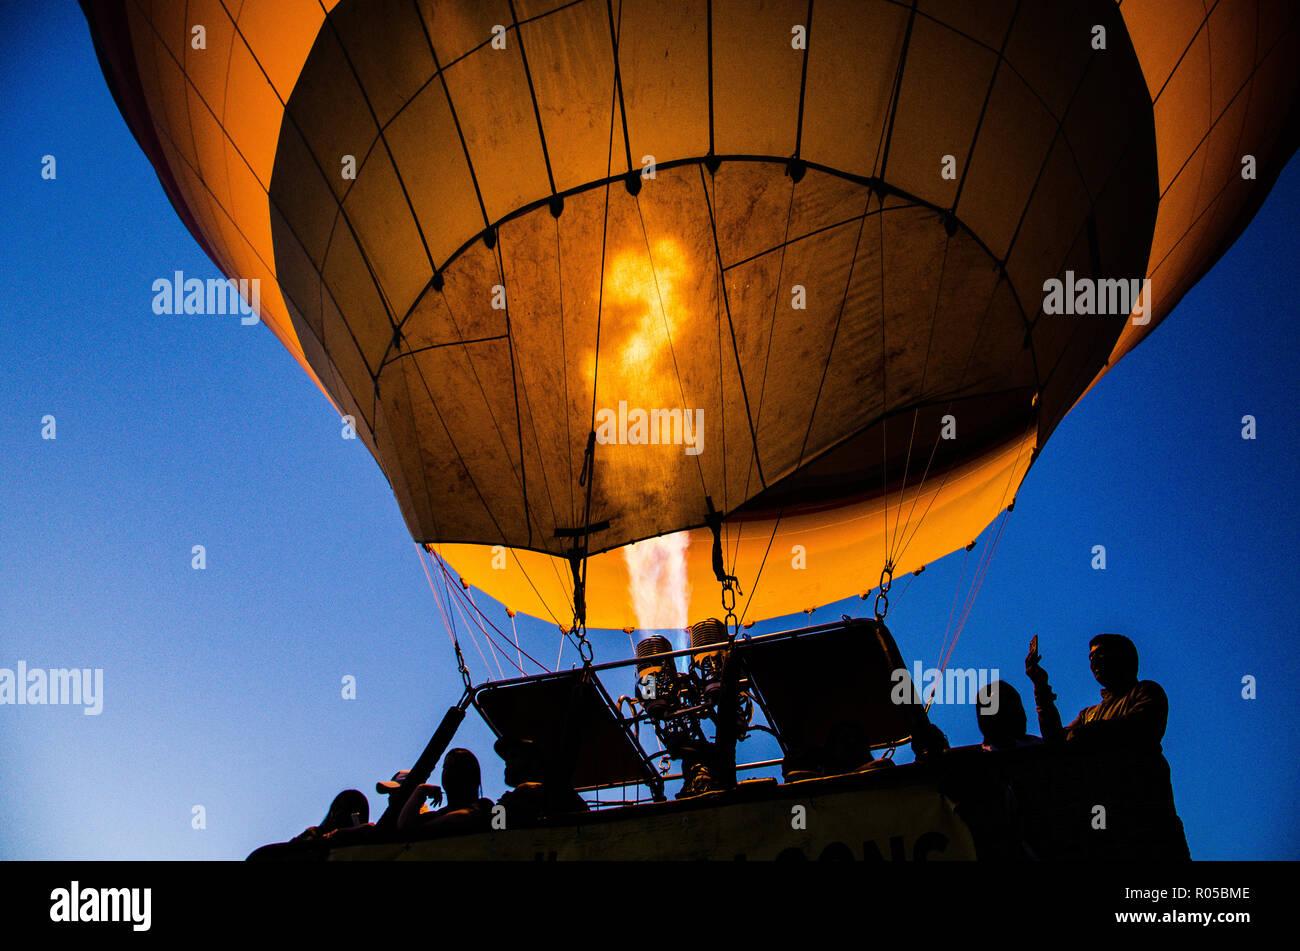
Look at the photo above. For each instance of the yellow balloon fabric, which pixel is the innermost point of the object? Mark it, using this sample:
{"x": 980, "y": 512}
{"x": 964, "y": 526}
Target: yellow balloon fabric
{"x": 787, "y": 260}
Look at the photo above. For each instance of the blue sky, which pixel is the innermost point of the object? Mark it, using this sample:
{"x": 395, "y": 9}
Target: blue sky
{"x": 222, "y": 686}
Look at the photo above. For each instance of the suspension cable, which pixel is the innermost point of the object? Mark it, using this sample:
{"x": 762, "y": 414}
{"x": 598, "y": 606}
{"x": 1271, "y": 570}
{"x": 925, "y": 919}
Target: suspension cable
{"x": 484, "y": 619}
{"x": 447, "y": 625}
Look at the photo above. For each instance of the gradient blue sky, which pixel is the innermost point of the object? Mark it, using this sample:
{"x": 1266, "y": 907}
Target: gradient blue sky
{"x": 222, "y": 687}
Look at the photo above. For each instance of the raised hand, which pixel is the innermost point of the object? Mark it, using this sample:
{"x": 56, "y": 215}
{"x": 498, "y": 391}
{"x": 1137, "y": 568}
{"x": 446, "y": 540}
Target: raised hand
{"x": 1032, "y": 669}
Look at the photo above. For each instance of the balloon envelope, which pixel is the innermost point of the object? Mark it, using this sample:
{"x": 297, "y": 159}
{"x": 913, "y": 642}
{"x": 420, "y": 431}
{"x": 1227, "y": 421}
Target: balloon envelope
{"x": 770, "y": 260}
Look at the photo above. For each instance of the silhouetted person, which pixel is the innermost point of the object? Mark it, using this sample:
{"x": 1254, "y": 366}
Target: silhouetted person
{"x": 1128, "y": 726}
{"x": 466, "y": 810}
{"x": 1000, "y": 715}
{"x": 928, "y": 741}
{"x": 386, "y": 787}
{"x": 349, "y": 810}
{"x": 1132, "y": 713}
{"x": 992, "y": 807}
{"x": 530, "y": 797}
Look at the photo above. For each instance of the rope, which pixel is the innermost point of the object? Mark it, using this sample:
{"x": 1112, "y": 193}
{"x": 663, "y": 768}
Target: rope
{"x": 496, "y": 648}
{"x": 451, "y": 601}
{"x": 461, "y": 610}
{"x": 767, "y": 358}
{"x": 438, "y": 600}
{"x": 448, "y": 615}
{"x": 947, "y": 631}
{"x": 978, "y": 580}
{"x": 884, "y": 377}
{"x": 564, "y": 354}
{"x": 488, "y": 621}
{"x": 515, "y": 635}
{"x": 759, "y": 577}
{"x": 893, "y": 557}
{"x": 976, "y": 584}
{"x": 604, "y": 232}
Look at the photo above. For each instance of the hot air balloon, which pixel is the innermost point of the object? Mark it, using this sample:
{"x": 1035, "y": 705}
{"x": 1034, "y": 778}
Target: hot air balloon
{"x": 747, "y": 276}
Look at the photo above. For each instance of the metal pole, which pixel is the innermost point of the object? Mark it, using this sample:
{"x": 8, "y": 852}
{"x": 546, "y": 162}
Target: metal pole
{"x": 424, "y": 765}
